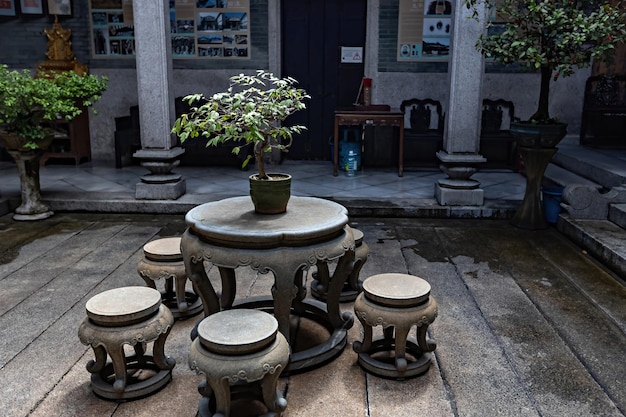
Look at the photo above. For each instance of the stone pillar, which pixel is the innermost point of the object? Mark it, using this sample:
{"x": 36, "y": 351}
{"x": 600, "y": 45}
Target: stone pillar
{"x": 274, "y": 30}
{"x": 158, "y": 153}
{"x": 460, "y": 158}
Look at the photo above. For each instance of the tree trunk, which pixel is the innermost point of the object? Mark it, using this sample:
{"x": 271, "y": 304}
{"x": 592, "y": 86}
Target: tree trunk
{"x": 542, "y": 114}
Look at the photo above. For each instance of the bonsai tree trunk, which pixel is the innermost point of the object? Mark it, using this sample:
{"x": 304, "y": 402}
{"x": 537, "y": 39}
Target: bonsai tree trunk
{"x": 542, "y": 113}
{"x": 258, "y": 156}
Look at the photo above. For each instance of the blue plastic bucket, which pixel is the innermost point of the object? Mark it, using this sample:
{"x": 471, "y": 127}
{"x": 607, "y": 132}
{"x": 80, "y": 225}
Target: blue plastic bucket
{"x": 552, "y": 203}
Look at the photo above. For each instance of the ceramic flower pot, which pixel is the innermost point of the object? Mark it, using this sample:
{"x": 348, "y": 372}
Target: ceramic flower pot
{"x": 272, "y": 195}
{"x": 538, "y": 135}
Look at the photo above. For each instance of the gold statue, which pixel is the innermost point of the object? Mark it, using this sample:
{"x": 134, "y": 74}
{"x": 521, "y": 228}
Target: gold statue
{"x": 59, "y": 45}
{"x": 60, "y": 55}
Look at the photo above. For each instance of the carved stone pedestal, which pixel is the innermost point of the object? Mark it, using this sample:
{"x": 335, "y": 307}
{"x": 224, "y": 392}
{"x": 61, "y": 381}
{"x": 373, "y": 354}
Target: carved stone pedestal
{"x": 127, "y": 316}
{"x": 352, "y": 286}
{"x": 397, "y": 302}
{"x": 242, "y": 354}
{"x": 161, "y": 183}
{"x": 459, "y": 189}
{"x": 163, "y": 259}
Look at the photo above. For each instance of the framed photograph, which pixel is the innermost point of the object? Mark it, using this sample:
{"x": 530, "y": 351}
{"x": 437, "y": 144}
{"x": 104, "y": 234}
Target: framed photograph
{"x": 60, "y": 7}
{"x": 7, "y": 8}
{"x": 31, "y": 7}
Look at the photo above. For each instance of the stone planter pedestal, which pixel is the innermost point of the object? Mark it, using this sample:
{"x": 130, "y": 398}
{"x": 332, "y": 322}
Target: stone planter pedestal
{"x": 27, "y": 162}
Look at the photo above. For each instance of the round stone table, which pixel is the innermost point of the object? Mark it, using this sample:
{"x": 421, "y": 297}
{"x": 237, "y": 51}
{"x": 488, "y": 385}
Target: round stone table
{"x": 229, "y": 234}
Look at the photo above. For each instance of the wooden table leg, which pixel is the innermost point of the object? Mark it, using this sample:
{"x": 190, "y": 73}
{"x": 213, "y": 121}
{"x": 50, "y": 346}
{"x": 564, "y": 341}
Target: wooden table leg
{"x": 401, "y": 149}
{"x": 336, "y": 147}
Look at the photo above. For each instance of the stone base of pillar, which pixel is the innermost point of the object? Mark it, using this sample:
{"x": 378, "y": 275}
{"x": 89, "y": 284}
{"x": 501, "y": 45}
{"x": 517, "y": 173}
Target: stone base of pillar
{"x": 161, "y": 183}
{"x": 160, "y": 191}
{"x": 459, "y": 197}
{"x": 458, "y": 189}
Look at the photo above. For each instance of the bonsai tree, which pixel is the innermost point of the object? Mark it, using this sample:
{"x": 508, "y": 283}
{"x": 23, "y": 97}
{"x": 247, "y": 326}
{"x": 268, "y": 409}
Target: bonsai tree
{"x": 27, "y": 107}
{"x": 28, "y": 104}
{"x": 552, "y": 36}
{"x": 250, "y": 111}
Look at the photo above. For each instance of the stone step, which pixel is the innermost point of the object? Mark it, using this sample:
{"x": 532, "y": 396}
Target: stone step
{"x": 602, "y": 239}
{"x": 563, "y": 177}
{"x": 599, "y": 166}
{"x": 617, "y": 214}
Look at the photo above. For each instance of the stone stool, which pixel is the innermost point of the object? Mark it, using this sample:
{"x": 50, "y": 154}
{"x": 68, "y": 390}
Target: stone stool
{"x": 163, "y": 259}
{"x": 242, "y": 354}
{"x": 131, "y": 316}
{"x": 321, "y": 278}
{"x": 396, "y": 302}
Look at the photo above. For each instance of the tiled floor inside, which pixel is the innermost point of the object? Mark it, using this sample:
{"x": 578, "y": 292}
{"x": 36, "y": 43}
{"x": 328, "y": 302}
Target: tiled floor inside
{"x": 311, "y": 178}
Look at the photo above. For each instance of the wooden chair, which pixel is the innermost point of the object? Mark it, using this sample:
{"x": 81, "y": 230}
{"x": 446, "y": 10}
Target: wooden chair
{"x": 496, "y": 142}
{"x": 423, "y": 134}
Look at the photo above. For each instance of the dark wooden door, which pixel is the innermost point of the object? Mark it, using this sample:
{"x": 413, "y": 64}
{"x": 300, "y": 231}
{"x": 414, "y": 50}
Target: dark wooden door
{"x": 313, "y": 32}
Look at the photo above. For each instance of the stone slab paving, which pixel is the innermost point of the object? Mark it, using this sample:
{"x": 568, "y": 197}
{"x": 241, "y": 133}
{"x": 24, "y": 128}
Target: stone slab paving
{"x": 528, "y": 324}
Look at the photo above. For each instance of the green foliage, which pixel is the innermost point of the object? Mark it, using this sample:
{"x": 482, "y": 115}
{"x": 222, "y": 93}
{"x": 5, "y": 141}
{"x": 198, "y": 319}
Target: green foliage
{"x": 553, "y": 36}
{"x": 27, "y": 103}
{"x": 250, "y": 111}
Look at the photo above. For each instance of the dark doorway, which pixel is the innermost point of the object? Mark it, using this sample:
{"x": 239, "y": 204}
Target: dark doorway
{"x": 313, "y": 33}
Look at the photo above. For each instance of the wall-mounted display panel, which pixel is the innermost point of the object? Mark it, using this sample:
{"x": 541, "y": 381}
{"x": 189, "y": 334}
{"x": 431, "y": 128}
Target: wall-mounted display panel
{"x": 31, "y": 7}
{"x": 202, "y": 29}
{"x": 7, "y": 8}
{"x": 424, "y": 28}
{"x": 113, "y": 32}
{"x": 60, "y": 7}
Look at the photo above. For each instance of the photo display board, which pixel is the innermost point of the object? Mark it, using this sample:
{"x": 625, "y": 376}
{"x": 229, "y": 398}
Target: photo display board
{"x": 7, "y": 8}
{"x": 203, "y": 29}
{"x": 424, "y": 28}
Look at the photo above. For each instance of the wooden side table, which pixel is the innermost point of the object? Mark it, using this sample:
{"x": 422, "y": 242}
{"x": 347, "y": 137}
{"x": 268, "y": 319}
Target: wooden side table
{"x": 370, "y": 117}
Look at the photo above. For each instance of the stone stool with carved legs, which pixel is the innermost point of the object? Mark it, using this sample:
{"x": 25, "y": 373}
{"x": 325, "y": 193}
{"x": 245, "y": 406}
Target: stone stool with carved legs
{"x": 321, "y": 278}
{"x": 162, "y": 258}
{"x": 242, "y": 354}
{"x": 131, "y": 316}
{"x": 397, "y": 302}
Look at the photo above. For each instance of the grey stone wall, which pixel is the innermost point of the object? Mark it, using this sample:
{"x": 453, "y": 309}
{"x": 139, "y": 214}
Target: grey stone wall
{"x": 397, "y": 81}
{"x": 23, "y": 45}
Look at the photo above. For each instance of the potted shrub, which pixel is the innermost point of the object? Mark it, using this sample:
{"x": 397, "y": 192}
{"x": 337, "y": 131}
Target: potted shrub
{"x": 250, "y": 112}
{"x": 553, "y": 37}
{"x": 28, "y": 107}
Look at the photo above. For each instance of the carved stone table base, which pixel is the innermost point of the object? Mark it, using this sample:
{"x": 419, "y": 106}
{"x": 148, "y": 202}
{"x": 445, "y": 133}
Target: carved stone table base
{"x": 242, "y": 354}
{"x": 229, "y": 234}
{"x": 352, "y": 287}
{"x": 397, "y": 302}
{"x": 127, "y": 316}
{"x": 163, "y": 259}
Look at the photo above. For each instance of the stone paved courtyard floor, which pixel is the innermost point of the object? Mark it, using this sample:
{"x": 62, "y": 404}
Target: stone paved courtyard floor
{"x": 528, "y": 324}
